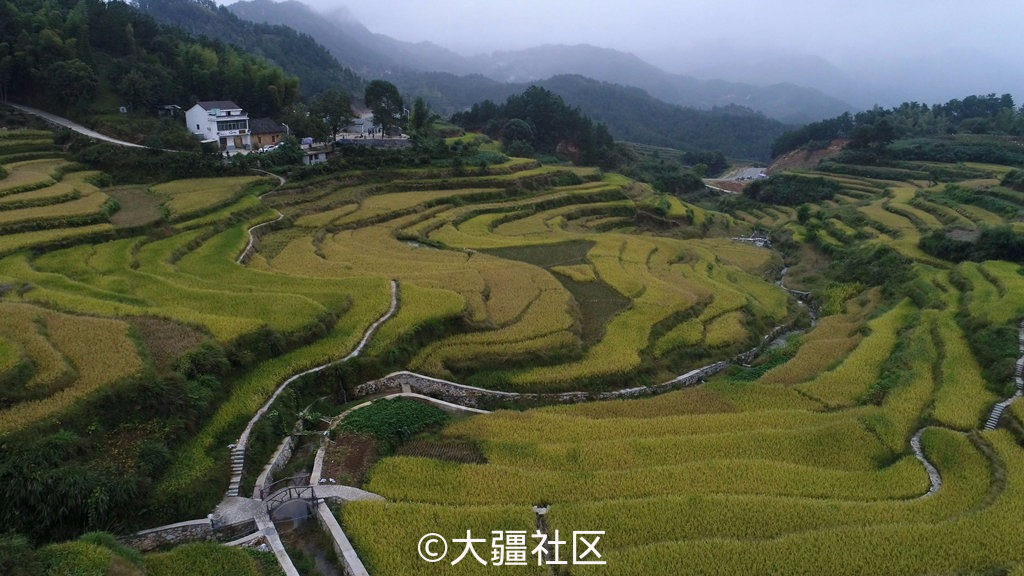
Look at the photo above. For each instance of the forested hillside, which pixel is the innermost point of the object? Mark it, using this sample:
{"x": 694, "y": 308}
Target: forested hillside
{"x": 295, "y": 52}
{"x": 89, "y": 55}
{"x": 633, "y": 115}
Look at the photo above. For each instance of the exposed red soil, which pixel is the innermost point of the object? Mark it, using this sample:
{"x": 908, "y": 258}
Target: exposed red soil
{"x": 805, "y": 159}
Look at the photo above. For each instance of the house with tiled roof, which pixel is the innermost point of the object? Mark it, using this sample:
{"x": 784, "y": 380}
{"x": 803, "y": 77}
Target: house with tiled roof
{"x": 266, "y": 132}
{"x": 220, "y": 121}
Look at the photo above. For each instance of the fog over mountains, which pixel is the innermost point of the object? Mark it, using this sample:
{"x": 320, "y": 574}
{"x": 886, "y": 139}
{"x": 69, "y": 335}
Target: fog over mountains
{"x": 833, "y": 53}
{"x": 373, "y": 54}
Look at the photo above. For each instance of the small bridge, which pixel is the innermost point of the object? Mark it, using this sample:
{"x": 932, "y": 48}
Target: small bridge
{"x": 289, "y": 494}
{"x": 291, "y": 481}
{"x": 287, "y": 490}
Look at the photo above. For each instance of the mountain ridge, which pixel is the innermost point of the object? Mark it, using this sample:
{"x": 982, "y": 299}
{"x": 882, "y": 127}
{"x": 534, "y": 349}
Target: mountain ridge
{"x": 374, "y": 54}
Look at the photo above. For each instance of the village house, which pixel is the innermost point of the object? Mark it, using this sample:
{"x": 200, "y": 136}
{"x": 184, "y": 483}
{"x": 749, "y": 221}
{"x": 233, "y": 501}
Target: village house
{"x": 266, "y": 132}
{"x": 220, "y": 121}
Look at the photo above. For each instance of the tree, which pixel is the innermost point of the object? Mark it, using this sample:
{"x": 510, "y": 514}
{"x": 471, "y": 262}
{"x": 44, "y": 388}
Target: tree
{"x": 137, "y": 89}
{"x": 516, "y": 129}
{"x": 385, "y": 102}
{"x": 72, "y": 83}
{"x": 333, "y": 109}
{"x": 422, "y": 118}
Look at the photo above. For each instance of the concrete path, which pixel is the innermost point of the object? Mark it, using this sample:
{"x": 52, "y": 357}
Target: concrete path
{"x": 238, "y": 450}
{"x": 346, "y": 493}
{"x": 65, "y": 123}
{"x": 934, "y": 479}
{"x": 252, "y": 238}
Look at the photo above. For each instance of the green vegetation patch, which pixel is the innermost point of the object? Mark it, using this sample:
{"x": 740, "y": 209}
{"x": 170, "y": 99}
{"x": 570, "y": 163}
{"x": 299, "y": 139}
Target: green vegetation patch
{"x": 792, "y": 190}
{"x": 207, "y": 559}
{"x": 393, "y": 420}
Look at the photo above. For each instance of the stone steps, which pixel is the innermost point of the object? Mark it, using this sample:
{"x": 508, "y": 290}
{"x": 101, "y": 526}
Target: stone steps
{"x": 237, "y": 465}
{"x": 1018, "y": 381}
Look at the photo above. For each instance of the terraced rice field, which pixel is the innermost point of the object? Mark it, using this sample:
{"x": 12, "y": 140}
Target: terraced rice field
{"x": 548, "y": 279}
{"x": 778, "y": 473}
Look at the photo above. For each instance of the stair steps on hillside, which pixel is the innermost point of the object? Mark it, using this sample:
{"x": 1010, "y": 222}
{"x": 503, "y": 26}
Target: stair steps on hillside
{"x": 237, "y": 463}
{"x": 1018, "y": 381}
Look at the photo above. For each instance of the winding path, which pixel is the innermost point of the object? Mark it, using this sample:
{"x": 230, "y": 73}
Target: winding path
{"x": 242, "y": 258}
{"x": 934, "y": 479}
{"x": 1018, "y": 380}
{"x": 65, "y": 123}
{"x": 238, "y": 450}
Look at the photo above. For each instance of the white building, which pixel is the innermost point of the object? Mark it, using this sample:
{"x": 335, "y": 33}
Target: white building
{"x": 220, "y": 121}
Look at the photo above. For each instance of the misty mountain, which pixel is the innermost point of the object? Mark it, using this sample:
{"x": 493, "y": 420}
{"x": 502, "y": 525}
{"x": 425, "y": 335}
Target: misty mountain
{"x": 783, "y": 101}
{"x": 944, "y": 73}
{"x": 382, "y": 56}
{"x": 633, "y": 115}
{"x": 366, "y": 52}
{"x": 299, "y": 54}
{"x": 630, "y": 113}
{"x": 724, "y": 61}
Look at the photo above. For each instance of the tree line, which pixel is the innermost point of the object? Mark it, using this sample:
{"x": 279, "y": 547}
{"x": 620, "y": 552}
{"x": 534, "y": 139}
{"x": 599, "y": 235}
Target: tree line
{"x": 875, "y": 128}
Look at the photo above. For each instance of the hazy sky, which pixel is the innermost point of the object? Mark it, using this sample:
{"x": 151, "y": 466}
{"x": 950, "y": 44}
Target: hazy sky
{"x": 835, "y": 29}
{"x": 875, "y": 51}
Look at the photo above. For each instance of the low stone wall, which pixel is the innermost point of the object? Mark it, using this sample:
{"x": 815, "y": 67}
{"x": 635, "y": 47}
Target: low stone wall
{"x": 172, "y": 535}
{"x": 280, "y": 458}
{"x": 235, "y": 531}
{"x": 480, "y": 397}
{"x": 383, "y": 144}
{"x": 350, "y": 563}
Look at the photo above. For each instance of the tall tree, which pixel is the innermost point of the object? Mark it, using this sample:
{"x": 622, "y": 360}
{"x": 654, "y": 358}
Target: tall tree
{"x": 385, "y": 102}
{"x": 334, "y": 109}
{"x": 421, "y": 118}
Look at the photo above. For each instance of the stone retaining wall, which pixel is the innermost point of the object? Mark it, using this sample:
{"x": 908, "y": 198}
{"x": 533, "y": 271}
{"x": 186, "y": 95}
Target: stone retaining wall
{"x": 280, "y": 458}
{"x": 172, "y": 535}
{"x": 350, "y": 563}
{"x": 480, "y": 397}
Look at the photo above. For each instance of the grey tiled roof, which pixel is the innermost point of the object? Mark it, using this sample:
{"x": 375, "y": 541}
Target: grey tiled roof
{"x": 219, "y": 104}
{"x": 264, "y": 126}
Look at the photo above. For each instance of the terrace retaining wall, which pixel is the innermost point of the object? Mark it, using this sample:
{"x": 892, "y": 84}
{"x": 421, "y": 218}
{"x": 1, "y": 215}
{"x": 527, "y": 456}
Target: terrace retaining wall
{"x": 382, "y": 144}
{"x": 480, "y": 397}
{"x": 172, "y": 535}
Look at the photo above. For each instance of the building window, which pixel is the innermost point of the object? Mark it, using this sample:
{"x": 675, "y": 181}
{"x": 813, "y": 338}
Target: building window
{"x": 232, "y": 125}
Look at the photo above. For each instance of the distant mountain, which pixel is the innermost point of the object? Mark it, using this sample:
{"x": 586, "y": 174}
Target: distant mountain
{"x": 630, "y": 113}
{"x": 370, "y": 54}
{"x": 783, "y": 101}
{"x": 724, "y": 61}
{"x": 382, "y": 56}
{"x": 297, "y": 53}
{"x": 944, "y": 73}
{"x": 634, "y": 115}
